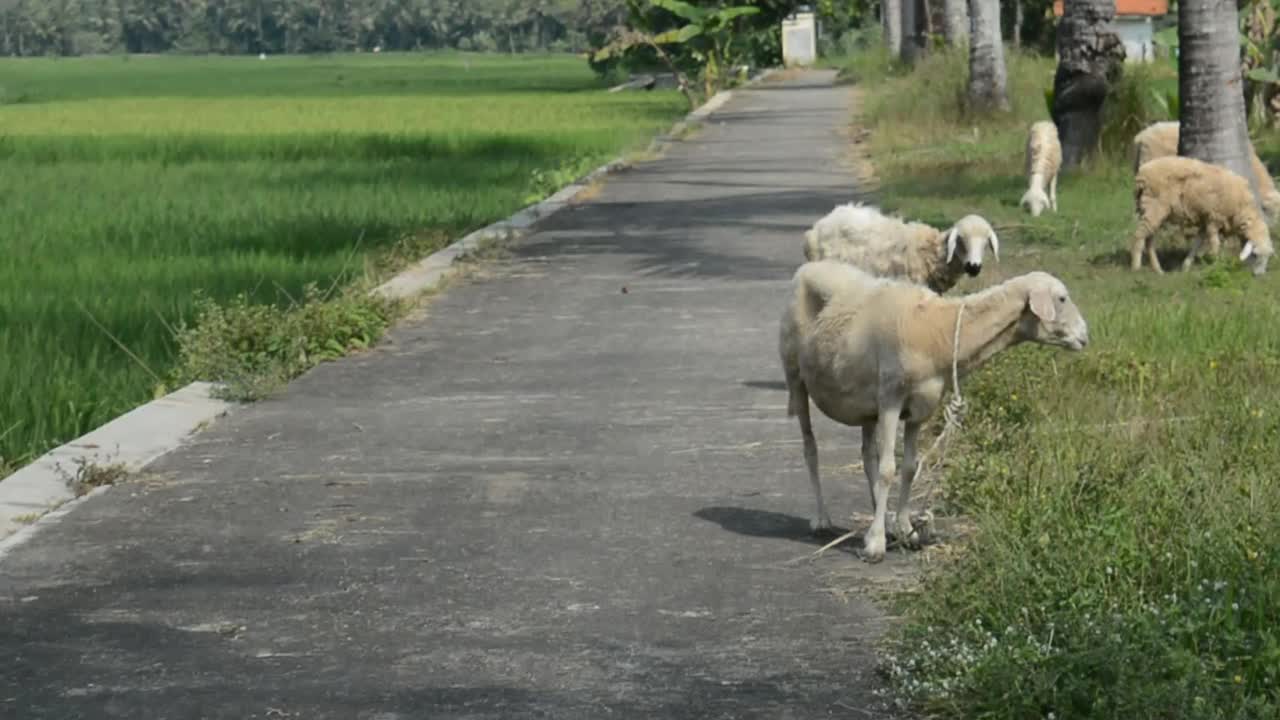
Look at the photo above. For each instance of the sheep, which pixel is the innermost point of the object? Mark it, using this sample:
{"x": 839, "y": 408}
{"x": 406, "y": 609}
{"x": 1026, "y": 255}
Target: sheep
{"x": 1161, "y": 140}
{"x": 861, "y": 235}
{"x": 1044, "y": 159}
{"x": 1210, "y": 198}
{"x": 872, "y": 351}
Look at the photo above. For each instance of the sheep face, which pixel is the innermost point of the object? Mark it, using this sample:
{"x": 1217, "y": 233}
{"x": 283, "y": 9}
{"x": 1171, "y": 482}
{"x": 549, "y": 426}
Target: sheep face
{"x": 1051, "y": 318}
{"x": 1257, "y": 259}
{"x": 1035, "y": 201}
{"x": 1257, "y": 255}
{"x": 971, "y": 236}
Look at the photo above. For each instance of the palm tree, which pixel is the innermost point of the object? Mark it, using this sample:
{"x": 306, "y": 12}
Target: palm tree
{"x": 891, "y": 18}
{"x": 955, "y": 22}
{"x": 1210, "y": 90}
{"x": 1090, "y": 57}
{"x": 987, "y": 85}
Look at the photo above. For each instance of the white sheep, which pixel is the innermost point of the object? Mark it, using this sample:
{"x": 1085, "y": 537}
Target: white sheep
{"x": 872, "y": 351}
{"x": 1044, "y": 159}
{"x": 1161, "y": 140}
{"x": 1209, "y": 198}
{"x": 888, "y": 246}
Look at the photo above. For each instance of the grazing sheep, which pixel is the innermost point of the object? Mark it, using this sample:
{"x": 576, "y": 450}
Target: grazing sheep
{"x": 888, "y": 246}
{"x": 1210, "y": 198}
{"x": 1161, "y": 140}
{"x": 872, "y": 351}
{"x": 1044, "y": 159}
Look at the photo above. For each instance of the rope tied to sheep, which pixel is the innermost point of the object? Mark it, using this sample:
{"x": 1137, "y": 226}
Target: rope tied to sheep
{"x": 953, "y": 420}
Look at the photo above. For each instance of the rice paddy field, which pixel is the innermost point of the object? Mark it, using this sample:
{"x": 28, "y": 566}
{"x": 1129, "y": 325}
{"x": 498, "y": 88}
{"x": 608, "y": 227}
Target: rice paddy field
{"x": 133, "y": 185}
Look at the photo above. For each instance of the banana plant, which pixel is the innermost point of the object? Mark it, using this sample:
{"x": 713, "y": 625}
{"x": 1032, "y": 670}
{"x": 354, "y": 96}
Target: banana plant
{"x": 708, "y": 35}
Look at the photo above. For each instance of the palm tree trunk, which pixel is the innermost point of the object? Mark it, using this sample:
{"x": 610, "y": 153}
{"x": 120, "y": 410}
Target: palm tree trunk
{"x": 910, "y": 35}
{"x": 1017, "y": 23}
{"x": 987, "y": 84}
{"x": 891, "y": 17}
{"x": 955, "y": 25}
{"x": 1090, "y": 57}
{"x": 1213, "y": 125}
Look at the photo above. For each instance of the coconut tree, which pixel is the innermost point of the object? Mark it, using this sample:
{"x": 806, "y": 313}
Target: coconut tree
{"x": 891, "y": 19}
{"x": 955, "y": 21}
{"x": 1210, "y": 90}
{"x": 1090, "y": 57}
{"x": 987, "y": 84}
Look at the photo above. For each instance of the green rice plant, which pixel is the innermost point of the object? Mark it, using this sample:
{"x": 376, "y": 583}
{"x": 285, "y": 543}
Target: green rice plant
{"x": 133, "y": 187}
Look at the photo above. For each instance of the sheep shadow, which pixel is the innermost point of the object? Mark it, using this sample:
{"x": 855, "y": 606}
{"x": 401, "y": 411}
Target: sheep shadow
{"x": 775, "y": 525}
{"x": 779, "y": 385}
{"x": 1170, "y": 259}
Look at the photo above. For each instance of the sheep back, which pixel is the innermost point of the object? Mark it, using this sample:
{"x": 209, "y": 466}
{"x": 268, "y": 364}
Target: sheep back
{"x": 1161, "y": 140}
{"x": 1200, "y": 194}
{"x": 1044, "y": 151}
{"x": 880, "y": 244}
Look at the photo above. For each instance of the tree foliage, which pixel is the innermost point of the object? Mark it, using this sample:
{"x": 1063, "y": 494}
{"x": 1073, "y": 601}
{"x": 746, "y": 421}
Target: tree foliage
{"x": 72, "y": 27}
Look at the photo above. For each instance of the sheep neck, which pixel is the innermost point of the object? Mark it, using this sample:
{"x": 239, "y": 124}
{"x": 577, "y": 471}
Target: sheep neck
{"x": 989, "y": 325}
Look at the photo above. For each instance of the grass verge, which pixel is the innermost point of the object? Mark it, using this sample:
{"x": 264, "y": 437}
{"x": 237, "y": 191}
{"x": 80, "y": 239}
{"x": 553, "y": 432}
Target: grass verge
{"x": 138, "y": 191}
{"x": 1125, "y": 560}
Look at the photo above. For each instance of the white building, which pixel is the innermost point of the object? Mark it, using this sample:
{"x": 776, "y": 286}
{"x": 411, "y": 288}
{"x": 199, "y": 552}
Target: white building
{"x": 800, "y": 38}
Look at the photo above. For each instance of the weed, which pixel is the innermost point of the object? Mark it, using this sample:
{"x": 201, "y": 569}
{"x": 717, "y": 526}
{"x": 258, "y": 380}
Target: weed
{"x": 253, "y": 349}
{"x": 89, "y": 475}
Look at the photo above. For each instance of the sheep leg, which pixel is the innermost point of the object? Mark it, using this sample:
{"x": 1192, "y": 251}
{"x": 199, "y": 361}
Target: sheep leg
{"x": 1149, "y": 220}
{"x": 1151, "y": 255}
{"x": 1136, "y": 246}
{"x": 1053, "y": 193}
{"x": 1215, "y": 241}
{"x": 870, "y": 458}
{"x": 822, "y": 521}
{"x": 873, "y": 543}
{"x": 1196, "y": 244}
{"x": 907, "y": 534}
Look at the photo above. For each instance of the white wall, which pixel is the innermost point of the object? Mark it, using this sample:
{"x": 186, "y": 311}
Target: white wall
{"x": 799, "y": 40}
{"x": 1136, "y": 34}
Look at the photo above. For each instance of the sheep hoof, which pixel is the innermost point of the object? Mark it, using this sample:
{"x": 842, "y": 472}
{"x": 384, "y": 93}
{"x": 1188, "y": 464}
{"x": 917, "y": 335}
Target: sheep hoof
{"x": 873, "y": 549}
{"x": 822, "y": 525}
{"x": 872, "y": 558}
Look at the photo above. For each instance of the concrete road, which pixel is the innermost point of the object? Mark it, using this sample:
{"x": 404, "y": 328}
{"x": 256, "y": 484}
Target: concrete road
{"x": 568, "y": 490}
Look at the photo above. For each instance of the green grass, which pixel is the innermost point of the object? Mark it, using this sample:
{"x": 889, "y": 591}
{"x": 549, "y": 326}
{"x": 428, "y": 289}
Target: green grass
{"x": 1126, "y": 556}
{"x": 130, "y": 185}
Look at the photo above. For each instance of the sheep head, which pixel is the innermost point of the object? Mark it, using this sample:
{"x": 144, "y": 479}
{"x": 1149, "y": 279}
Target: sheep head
{"x": 1258, "y": 252}
{"x": 1050, "y": 317}
{"x": 1035, "y": 201}
{"x": 973, "y": 233}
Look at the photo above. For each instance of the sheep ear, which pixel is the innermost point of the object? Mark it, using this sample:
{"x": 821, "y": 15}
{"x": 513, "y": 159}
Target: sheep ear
{"x": 1042, "y": 305}
{"x": 995, "y": 245}
{"x": 1247, "y": 251}
{"x": 951, "y": 243}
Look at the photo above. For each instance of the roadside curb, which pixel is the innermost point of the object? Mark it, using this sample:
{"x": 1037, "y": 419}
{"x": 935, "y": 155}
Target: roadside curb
{"x": 134, "y": 439}
{"x": 427, "y": 273}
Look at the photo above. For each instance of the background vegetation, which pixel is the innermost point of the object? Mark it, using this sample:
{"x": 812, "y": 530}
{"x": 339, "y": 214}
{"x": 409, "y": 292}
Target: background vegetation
{"x": 1126, "y": 557}
{"x": 134, "y": 187}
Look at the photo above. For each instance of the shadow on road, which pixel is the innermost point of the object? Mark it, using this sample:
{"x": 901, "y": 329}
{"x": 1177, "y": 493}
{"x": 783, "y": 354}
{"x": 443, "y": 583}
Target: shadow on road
{"x": 769, "y": 524}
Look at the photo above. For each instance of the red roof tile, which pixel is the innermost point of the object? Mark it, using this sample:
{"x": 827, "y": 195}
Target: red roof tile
{"x": 1129, "y": 7}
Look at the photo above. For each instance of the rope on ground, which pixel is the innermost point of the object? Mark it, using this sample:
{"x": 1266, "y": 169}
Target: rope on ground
{"x": 953, "y": 419}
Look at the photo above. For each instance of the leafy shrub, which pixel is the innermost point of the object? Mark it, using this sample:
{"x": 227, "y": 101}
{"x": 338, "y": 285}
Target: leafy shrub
{"x": 253, "y": 349}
